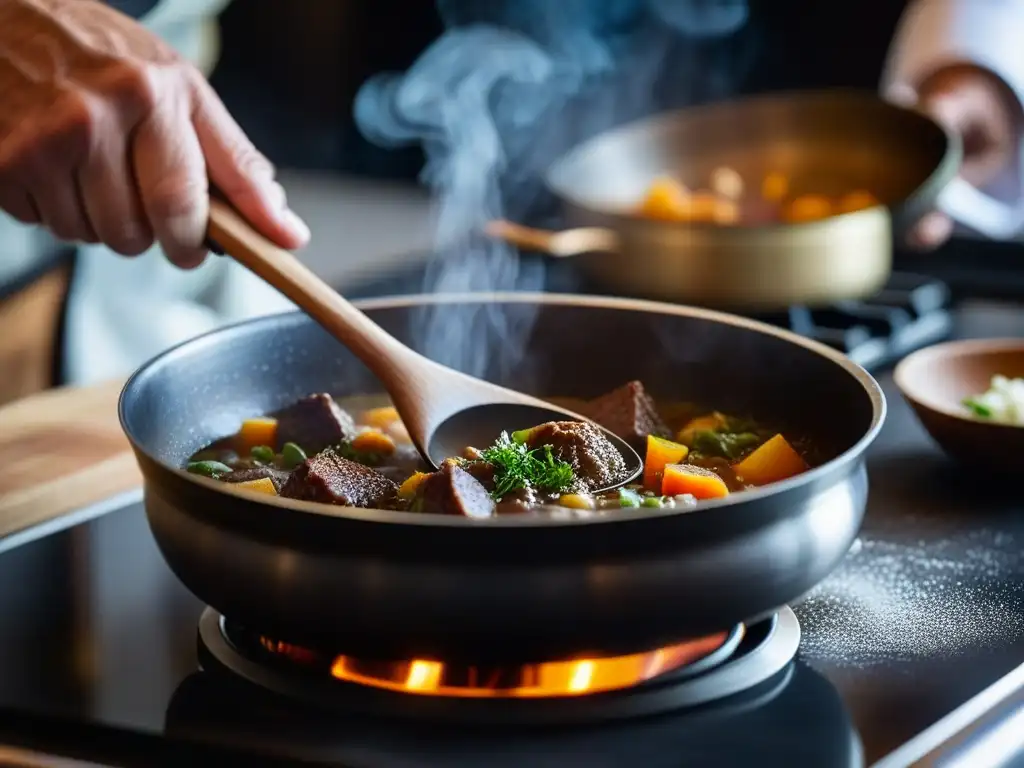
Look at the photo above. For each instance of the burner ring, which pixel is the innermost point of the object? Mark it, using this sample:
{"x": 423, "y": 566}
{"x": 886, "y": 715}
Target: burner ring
{"x": 764, "y": 651}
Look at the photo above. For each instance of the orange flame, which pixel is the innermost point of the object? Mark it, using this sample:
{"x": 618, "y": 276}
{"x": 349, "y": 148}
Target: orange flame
{"x": 572, "y": 677}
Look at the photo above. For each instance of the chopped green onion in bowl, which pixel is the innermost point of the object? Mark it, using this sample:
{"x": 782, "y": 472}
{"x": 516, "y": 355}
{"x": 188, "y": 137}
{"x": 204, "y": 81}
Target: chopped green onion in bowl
{"x": 1002, "y": 403}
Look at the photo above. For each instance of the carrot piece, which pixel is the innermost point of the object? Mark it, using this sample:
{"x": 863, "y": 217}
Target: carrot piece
{"x": 666, "y": 199}
{"x": 381, "y": 418}
{"x": 696, "y": 481}
{"x": 775, "y": 187}
{"x": 263, "y": 485}
{"x": 659, "y": 453}
{"x": 254, "y": 432}
{"x": 857, "y": 200}
{"x": 411, "y": 484}
{"x": 807, "y": 208}
{"x": 372, "y": 441}
{"x": 772, "y": 461}
{"x": 711, "y": 422}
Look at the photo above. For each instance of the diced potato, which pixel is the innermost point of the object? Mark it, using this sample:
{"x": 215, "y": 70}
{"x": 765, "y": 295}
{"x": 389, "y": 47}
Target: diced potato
{"x": 373, "y": 441}
{"x": 576, "y": 501}
{"x": 666, "y": 199}
{"x": 263, "y": 485}
{"x": 660, "y": 453}
{"x": 381, "y": 418}
{"x": 771, "y": 462}
{"x": 727, "y": 183}
{"x": 411, "y": 484}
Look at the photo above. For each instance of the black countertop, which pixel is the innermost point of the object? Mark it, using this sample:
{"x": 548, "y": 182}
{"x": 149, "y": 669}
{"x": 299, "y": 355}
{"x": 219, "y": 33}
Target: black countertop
{"x": 98, "y": 637}
{"x": 928, "y": 608}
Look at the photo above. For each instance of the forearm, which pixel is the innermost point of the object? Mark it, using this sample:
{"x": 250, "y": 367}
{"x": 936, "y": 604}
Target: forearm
{"x": 934, "y": 34}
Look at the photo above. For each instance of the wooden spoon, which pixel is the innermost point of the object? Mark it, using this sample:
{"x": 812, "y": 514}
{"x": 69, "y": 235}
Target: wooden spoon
{"x": 443, "y": 410}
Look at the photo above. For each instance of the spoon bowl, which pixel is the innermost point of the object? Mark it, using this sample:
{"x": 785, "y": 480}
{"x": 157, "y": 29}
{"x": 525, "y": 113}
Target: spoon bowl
{"x": 443, "y": 410}
{"x": 480, "y": 425}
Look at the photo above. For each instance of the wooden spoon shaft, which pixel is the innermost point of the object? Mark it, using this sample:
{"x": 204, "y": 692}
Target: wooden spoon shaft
{"x": 278, "y": 267}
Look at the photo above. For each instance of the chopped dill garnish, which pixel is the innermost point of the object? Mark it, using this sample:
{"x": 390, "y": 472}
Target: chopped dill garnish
{"x": 516, "y": 467}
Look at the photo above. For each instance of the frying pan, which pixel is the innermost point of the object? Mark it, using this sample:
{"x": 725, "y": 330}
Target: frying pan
{"x": 824, "y": 142}
{"x": 386, "y": 584}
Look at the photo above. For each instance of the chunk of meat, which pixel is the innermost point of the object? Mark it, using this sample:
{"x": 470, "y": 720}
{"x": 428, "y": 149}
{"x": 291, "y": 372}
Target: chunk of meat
{"x": 628, "y": 412}
{"x": 277, "y": 476}
{"x": 483, "y": 471}
{"x": 330, "y": 479}
{"x": 595, "y": 461}
{"x": 454, "y": 491}
{"x": 314, "y": 423}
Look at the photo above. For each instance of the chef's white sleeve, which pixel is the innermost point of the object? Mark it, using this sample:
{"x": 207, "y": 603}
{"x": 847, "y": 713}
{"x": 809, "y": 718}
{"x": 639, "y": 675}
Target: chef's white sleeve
{"x": 934, "y": 34}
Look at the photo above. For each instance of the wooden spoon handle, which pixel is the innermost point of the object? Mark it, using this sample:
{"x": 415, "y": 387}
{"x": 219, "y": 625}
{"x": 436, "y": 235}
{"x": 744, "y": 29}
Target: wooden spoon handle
{"x": 281, "y": 269}
{"x": 569, "y": 242}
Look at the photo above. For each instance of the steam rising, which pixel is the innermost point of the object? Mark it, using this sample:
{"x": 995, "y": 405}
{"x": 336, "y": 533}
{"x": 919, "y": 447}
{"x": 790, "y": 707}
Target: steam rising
{"x": 509, "y": 87}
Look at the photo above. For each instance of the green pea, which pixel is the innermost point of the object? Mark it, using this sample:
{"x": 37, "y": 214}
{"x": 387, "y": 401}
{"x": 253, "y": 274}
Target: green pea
{"x": 653, "y": 501}
{"x": 628, "y": 498}
{"x": 212, "y": 469}
{"x": 292, "y": 455}
{"x": 262, "y": 453}
{"x": 727, "y": 445}
{"x": 521, "y": 436}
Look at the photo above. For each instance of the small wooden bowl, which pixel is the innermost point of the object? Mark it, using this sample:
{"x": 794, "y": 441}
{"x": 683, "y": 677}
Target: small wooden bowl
{"x": 935, "y": 382}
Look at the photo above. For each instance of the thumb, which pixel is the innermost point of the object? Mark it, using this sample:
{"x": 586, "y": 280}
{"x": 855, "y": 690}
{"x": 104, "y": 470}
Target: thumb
{"x": 242, "y": 173}
{"x": 949, "y": 107}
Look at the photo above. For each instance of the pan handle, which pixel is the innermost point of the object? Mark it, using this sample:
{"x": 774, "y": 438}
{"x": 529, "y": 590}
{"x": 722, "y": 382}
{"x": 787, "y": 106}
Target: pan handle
{"x": 968, "y": 205}
{"x": 568, "y": 242}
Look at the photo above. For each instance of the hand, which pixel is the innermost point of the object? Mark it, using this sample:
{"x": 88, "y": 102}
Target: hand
{"x": 107, "y": 135}
{"x": 978, "y": 106}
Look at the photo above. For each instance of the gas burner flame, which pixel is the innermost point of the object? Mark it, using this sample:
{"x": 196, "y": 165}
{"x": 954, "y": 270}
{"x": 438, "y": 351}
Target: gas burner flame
{"x": 573, "y": 677}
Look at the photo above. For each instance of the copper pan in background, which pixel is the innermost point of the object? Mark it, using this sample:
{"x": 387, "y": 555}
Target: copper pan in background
{"x": 824, "y": 142}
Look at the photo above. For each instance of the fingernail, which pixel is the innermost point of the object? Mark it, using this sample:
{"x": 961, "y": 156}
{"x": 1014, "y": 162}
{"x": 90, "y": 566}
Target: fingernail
{"x": 296, "y": 225}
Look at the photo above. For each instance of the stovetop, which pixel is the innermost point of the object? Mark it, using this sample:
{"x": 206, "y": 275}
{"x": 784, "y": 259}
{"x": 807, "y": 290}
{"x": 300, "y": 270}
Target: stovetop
{"x": 98, "y": 644}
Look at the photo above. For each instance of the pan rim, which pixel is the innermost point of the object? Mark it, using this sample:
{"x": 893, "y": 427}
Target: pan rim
{"x": 869, "y": 385}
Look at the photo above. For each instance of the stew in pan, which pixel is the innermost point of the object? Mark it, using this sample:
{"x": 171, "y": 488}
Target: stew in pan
{"x": 314, "y": 450}
{"x": 727, "y": 202}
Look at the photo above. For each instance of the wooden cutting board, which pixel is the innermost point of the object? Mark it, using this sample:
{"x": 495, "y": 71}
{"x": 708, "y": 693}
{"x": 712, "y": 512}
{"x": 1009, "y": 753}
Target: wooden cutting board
{"x": 61, "y": 450}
